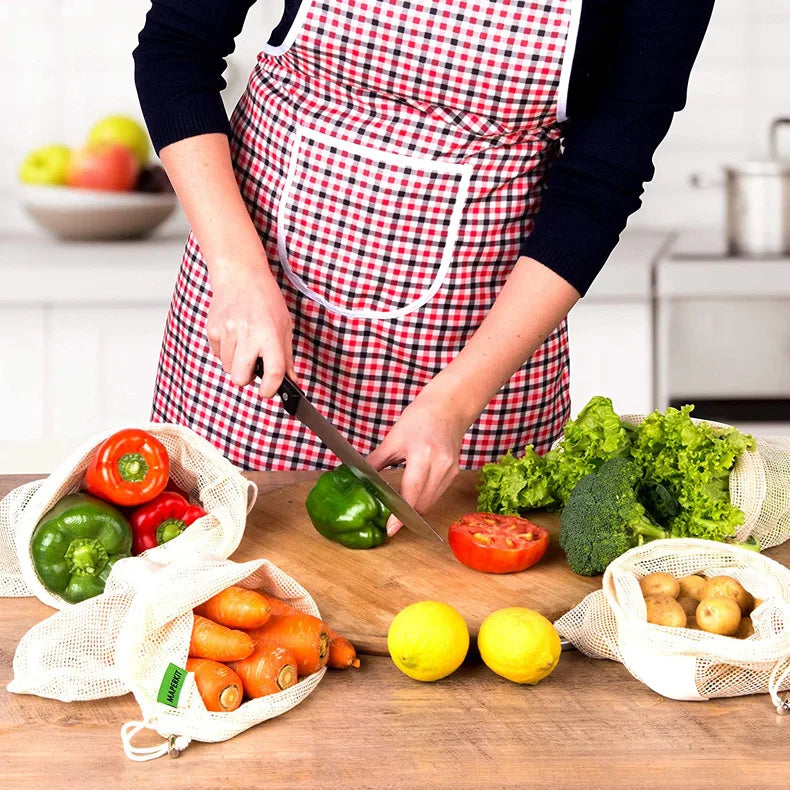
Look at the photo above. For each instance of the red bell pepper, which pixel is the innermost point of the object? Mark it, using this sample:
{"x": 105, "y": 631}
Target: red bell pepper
{"x": 129, "y": 468}
{"x": 161, "y": 520}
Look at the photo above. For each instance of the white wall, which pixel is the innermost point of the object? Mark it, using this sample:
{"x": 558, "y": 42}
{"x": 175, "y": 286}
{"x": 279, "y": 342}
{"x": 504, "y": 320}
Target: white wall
{"x": 65, "y": 63}
{"x": 739, "y": 83}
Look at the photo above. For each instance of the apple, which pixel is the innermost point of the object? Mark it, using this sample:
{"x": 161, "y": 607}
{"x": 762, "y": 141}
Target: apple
{"x": 47, "y": 165}
{"x": 110, "y": 167}
{"x": 123, "y": 131}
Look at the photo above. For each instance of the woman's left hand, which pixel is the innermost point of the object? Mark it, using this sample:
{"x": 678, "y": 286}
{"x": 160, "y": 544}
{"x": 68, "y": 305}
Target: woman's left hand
{"x": 427, "y": 437}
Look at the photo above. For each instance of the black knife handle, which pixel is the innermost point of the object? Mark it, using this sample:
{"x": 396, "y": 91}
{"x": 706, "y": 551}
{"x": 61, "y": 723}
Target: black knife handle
{"x": 289, "y": 392}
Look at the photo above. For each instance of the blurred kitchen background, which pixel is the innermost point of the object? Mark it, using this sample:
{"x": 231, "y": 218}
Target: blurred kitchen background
{"x": 671, "y": 318}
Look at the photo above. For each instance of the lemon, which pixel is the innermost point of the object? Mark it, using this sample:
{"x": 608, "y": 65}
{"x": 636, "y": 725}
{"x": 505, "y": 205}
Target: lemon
{"x": 428, "y": 640}
{"x": 519, "y": 644}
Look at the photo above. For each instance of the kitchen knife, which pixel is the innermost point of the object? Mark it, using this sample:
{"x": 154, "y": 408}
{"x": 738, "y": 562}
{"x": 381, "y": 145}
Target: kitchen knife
{"x": 295, "y": 402}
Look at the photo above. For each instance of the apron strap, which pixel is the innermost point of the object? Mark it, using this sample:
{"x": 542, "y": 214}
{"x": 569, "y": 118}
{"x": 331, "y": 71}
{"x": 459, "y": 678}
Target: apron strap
{"x": 173, "y": 745}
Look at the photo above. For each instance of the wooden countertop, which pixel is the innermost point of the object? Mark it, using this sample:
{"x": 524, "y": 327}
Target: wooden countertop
{"x": 589, "y": 725}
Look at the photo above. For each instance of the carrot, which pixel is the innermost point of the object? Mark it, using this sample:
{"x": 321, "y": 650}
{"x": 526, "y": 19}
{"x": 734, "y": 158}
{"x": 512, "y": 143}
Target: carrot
{"x": 236, "y": 607}
{"x": 215, "y": 641}
{"x": 219, "y": 686}
{"x": 268, "y": 670}
{"x": 277, "y": 606}
{"x": 304, "y": 635}
{"x": 341, "y": 652}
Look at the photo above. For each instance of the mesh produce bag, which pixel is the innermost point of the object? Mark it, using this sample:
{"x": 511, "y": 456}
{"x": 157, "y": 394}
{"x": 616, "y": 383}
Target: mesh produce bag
{"x": 196, "y": 466}
{"x": 127, "y": 638}
{"x": 759, "y": 486}
{"x": 683, "y": 663}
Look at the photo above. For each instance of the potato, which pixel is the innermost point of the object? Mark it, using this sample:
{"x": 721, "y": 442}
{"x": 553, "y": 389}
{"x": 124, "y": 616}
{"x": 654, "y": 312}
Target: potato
{"x": 757, "y": 602}
{"x": 745, "y": 628}
{"x": 689, "y": 605}
{"x": 727, "y": 587}
{"x": 665, "y": 610}
{"x": 719, "y": 616}
{"x": 691, "y": 624}
{"x": 659, "y": 584}
{"x": 692, "y": 587}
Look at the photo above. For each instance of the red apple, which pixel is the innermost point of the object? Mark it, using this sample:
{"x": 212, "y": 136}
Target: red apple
{"x": 111, "y": 167}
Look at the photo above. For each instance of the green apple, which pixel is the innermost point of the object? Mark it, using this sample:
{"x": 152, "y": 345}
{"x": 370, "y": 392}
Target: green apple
{"x": 120, "y": 130}
{"x": 47, "y": 165}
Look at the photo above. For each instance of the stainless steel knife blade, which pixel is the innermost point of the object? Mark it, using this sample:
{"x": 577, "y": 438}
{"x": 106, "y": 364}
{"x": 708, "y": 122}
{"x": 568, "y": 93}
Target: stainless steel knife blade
{"x": 295, "y": 402}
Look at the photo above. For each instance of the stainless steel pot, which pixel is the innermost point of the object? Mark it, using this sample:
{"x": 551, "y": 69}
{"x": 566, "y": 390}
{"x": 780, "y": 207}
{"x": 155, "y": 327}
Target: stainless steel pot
{"x": 758, "y": 202}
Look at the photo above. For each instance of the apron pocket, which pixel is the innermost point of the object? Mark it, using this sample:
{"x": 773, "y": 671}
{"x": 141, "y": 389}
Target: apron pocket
{"x": 367, "y": 233}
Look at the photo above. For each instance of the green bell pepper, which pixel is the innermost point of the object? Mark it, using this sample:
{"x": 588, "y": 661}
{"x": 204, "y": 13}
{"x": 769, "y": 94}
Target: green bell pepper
{"x": 76, "y": 544}
{"x": 344, "y": 509}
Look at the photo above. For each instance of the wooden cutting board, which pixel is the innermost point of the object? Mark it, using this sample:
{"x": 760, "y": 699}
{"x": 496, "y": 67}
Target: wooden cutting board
{"x": 359, "y": 592}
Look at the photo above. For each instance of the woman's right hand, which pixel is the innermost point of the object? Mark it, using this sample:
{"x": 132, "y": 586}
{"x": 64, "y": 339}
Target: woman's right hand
{"x": 248, "y": 319}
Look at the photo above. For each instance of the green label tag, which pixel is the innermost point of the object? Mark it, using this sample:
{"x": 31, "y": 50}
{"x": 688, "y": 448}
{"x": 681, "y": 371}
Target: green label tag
{"x": 170, "y": 689}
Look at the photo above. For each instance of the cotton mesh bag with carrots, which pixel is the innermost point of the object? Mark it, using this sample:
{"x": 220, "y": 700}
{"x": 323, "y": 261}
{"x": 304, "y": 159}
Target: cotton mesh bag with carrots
{"x": 157, "y": 489}
{"x": 208, "y": 647}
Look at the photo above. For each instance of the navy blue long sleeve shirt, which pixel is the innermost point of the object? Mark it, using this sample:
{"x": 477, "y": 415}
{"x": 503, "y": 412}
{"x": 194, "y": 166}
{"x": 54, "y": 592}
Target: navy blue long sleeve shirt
{"x": 629, "y": 76}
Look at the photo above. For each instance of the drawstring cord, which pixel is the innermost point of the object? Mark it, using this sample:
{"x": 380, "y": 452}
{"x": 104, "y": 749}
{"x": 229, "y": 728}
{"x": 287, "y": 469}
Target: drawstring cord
{"x": 775, "y": 681}
{"x": 173, "y": 745}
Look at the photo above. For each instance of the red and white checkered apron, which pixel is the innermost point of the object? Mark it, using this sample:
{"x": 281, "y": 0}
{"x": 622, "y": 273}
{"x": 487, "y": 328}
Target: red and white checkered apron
{"x": 391, "y": 154}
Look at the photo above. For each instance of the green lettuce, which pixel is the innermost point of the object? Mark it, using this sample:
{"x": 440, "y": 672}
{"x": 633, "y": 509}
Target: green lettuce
{"x": 515, "y": 485}
{"x": 693, "y": 463}
{"x": 683, "y": 469}
{"x": 595, "y": 436}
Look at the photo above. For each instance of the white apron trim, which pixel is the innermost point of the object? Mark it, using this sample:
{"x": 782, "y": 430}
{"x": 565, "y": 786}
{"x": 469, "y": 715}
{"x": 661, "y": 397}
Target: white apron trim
{"x": 399, "y": 160}
{"x": 293, "y": 32}
{"x": 567, "y": 59}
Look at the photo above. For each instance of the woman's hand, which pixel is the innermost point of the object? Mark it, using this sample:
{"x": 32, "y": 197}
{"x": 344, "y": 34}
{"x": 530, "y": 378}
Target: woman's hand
{"x": 427, "y": 437}
{"x": 248, "y": 319}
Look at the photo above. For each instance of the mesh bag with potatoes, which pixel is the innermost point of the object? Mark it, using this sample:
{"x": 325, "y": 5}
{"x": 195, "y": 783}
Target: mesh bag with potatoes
{"x": 759, "y": 486}
{"x": 125, "y": 640}
{"x": 196, "y": 467}
{"x": 685, "y": 663}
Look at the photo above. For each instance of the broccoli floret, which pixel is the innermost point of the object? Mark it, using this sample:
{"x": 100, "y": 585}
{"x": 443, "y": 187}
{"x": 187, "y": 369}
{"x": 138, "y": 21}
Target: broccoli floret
{"x": 603, "y": 518}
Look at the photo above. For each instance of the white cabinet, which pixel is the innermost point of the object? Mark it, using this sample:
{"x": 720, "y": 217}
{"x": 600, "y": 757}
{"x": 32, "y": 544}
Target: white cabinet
{"x": 70, "y": 371}
{"x": 80, "y": 330}
{"x": 81, "y": 326}
{"x": 23, "y": 372}
{"x": 611, "y": 346}
{"x": 611, "y": 330}
{"x": 102, "y": 364}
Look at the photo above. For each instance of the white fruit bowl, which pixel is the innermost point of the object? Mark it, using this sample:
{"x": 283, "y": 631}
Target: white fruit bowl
{"x": 92, "y": 215}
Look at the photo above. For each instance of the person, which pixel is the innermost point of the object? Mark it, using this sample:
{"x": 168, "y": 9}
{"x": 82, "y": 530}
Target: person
{"x": 405, "y": 204}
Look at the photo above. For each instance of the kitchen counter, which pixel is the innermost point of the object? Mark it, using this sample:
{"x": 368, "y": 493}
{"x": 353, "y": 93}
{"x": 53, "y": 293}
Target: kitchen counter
{"x": 36, "y": 269}
{"x": 698, "y": 267}
{"x": 589, "y": 725}
{"x": 39, "y": 270}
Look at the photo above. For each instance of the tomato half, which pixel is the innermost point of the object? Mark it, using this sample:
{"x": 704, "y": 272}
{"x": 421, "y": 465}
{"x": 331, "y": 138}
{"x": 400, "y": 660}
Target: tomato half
{"x": 497, "y": 544}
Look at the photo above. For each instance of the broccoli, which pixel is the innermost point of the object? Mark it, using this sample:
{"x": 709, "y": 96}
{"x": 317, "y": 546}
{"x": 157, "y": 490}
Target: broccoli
{"x": 603, "y": 518}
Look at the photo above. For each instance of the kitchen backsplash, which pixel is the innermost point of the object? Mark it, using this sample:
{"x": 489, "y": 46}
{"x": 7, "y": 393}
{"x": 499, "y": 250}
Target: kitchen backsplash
{"x": 66, "y": 63}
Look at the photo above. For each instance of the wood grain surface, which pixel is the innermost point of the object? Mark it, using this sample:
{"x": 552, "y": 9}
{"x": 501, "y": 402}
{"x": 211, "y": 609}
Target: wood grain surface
{"x": 359, "y": 592}
{"x": 588, "y": 725}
